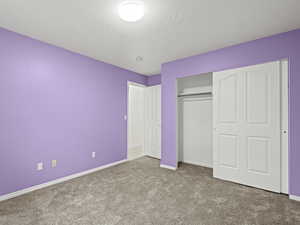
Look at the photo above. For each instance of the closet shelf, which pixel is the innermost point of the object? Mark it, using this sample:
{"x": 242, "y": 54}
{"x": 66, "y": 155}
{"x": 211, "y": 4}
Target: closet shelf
{"x": 195, "y": 94}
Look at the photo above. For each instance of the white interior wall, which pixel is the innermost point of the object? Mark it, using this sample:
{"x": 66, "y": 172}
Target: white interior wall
{"x": 136, "y": 121}
{"x": 195, "y": 127}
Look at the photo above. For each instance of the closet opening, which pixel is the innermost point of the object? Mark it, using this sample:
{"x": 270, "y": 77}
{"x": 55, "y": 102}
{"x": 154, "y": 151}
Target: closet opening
{"x": 195, "y": 125}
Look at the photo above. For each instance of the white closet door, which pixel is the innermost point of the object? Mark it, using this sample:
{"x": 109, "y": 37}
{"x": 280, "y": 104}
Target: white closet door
{"x": 227, "y": 125}
{"x": 247, "y": 125}
{"x": 153, "y": 121}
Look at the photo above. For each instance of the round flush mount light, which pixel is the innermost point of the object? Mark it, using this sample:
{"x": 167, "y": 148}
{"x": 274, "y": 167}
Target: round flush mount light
{"x": 131, "y": 11}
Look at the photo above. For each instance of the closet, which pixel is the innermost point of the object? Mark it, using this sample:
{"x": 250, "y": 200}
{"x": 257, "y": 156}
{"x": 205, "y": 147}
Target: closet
{"x": 236, "y": 122}
{"x": 195, "y": 120}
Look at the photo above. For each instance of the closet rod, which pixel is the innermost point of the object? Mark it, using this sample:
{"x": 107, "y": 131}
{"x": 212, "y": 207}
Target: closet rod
{"x": 195, "y": 94}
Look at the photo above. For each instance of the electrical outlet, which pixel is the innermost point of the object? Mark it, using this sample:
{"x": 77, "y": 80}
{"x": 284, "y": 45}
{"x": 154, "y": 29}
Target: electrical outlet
{"x": 93, "y": 154}
{"x": 39, "y": 166}
{"x": 54, "y": 163}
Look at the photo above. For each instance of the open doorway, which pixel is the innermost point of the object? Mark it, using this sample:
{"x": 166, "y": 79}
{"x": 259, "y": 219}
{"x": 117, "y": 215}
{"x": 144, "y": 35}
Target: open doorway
{"x": 136, "y": 120}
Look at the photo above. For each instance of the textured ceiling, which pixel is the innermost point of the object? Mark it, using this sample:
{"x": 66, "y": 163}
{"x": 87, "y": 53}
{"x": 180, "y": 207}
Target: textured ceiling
{"x": 171, "y": 29}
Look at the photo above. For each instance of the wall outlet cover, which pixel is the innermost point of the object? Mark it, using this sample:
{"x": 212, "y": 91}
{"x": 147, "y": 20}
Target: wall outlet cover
{"x": 39, "y": 166}
{"x": 93, "y": 154}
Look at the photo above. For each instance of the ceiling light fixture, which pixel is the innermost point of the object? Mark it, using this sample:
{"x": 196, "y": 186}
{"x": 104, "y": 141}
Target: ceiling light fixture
{"x": 131, "y": 11}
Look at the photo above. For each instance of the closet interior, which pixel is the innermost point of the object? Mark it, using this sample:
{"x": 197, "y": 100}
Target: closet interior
{"x": 195, "y": 120}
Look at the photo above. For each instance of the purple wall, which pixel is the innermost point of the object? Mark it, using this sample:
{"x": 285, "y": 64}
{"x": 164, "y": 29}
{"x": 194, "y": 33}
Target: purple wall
{"x": 55, "y": 104}
{"x": 154, "y": 80}
{"x": 286, "y": 45}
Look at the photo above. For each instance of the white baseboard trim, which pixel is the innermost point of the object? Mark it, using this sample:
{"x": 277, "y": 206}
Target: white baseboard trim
{"x": 207, "y": 165}
{"x": 168, "y": 167}
{"x": 294, "y": 197}
{"x": 57, "y": 181}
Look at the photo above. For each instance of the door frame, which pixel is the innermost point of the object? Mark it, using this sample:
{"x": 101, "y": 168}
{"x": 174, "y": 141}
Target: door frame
{"x": 126, "y": 117}
{"x": 284, "y": 106}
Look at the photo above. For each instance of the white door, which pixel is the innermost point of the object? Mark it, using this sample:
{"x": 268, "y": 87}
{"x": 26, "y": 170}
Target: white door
{"x": 246, "y": 123}
{"x": 135, "y": 121}
{"x": 153, "y": 121}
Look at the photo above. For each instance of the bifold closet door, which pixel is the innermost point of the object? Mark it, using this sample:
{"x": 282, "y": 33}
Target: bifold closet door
{"x": 246, "y": 121}
{"x": 153, "y": 121}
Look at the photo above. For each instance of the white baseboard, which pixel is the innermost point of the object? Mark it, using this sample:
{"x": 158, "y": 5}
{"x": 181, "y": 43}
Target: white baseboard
{"x": 294, "y": 197}
{"x": 168, "y": 167}
{"x": 60, "y": 180}
{"x": 202, "y": 164}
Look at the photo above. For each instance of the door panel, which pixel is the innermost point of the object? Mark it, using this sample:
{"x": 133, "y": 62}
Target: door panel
{"x": 257, "y": 97}
{"x": 258, "y": 150}
{"x": 247, "y": 110}
{"x": 135, "y": 121}
{"x": 228, "y": 158}
{"x": 228, "y": 99}
{"x": 226, "y": 135}
{"x": 153, "y": 121}
{"x": 262, "y": 126}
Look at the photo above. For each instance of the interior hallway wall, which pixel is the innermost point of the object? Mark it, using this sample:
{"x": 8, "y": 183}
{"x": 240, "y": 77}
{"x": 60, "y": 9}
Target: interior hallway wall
{"x": 55, "y": 104}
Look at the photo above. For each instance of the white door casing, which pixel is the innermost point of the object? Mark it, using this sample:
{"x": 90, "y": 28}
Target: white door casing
{"x": 153, "y": 121}
{"x": 246, "y": 121}
{"x": 284, "y": 125}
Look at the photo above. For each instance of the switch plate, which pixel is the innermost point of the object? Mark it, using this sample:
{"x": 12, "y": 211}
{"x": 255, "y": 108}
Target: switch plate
{"x": 93, "y": 154}
{"x": 54, "y": 163}
{"x": 39, "y": 166}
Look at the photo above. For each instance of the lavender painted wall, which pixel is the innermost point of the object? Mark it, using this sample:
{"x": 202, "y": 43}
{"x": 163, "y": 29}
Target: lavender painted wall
{"x": 154, "y": 80}
{"x": 55, "y": 104}
{"x": 286, "y": 45}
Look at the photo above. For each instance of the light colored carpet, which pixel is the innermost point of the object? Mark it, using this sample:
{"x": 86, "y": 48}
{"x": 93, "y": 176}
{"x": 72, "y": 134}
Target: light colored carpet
{"x": 140, "y": 193}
